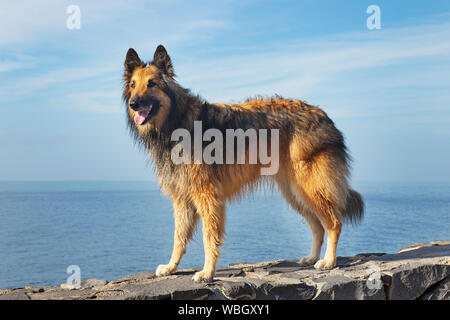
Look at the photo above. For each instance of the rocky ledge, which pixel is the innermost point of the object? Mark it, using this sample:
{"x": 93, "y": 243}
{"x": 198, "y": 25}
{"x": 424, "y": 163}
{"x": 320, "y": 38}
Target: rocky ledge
{"x": 420, "y": 271}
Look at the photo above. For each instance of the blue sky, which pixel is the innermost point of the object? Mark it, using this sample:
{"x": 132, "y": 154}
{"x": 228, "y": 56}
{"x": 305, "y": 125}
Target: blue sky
{"x": 61, "y": 115}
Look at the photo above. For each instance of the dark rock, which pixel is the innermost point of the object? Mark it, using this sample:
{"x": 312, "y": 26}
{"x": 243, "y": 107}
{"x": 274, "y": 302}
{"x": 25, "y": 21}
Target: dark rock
{"x": 359, "y": 258}
{"x": 93, "y": 283}
{"x": 15, "y": 296}
{"x": 416, "y": 272}
{"x": 285, "y": 264}
{"x": 285, "y": 291}
{"x": 439, "y": 291}
{"x": 411, "y": 281}
{"x": 138, "y": 276}
{"x": 63, "y": 294}
{"x": 193, "y": 294}
{"x": 418, "y": 252}
{"x": 345, "y": 288}
{"x": 238, "y": 291}
{"x": 229, "y": 273}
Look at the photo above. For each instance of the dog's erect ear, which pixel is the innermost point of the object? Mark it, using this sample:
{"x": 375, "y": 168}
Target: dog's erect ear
{"x": 131, "y": 61}
{"x": 162, "y": 61}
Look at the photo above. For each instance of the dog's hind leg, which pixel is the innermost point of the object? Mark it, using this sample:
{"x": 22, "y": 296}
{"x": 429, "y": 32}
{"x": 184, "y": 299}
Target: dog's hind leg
{"x": 186, "y": 219}
{"x": 322, "y": 183}
{"x": 313, "y": 222}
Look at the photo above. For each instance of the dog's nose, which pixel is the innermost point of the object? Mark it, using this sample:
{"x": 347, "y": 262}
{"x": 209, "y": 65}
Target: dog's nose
{"x": 133, "y": 103}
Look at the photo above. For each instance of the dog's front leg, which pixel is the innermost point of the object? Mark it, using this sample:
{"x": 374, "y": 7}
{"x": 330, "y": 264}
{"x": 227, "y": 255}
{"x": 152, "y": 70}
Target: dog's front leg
{"x": 212, "y": 213}
{"x": 186, "y": 219}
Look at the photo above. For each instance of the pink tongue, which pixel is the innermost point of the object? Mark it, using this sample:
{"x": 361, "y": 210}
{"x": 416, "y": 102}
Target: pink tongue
{"x": 141, "y": 115}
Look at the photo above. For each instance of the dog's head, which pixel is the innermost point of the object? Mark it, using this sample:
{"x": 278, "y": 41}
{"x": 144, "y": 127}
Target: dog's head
{"x": 146, "y": 92}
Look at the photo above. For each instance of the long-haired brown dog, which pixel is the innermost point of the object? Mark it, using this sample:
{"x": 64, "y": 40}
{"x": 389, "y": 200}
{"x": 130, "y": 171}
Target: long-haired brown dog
{"x": 313, "y": 161}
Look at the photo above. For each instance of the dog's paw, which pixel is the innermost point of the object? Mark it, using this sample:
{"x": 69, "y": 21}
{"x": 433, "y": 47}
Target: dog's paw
{"x": 202, "y": 276}
{"x": 325, "y": 264}
{"x": 164, "y": 270}
{"x": 307, "y": 261}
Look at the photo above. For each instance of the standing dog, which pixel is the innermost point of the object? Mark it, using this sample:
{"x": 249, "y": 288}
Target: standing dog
{"x": 313, "y": 161}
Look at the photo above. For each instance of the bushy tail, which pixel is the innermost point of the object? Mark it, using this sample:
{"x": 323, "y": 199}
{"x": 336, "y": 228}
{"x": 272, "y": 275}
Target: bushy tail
{"x": 354, "y": 210}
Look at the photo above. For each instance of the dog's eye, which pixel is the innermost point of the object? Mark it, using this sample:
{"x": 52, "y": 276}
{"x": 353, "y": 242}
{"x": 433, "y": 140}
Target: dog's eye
{"x": 132, "y": 85}
{"x": 151, "y": 84}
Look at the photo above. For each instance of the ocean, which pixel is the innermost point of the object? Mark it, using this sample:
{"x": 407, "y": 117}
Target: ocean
{"x": 112, "y": 229}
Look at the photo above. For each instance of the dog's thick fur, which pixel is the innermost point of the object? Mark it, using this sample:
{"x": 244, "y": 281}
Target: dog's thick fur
{"x": 313, "y": 161}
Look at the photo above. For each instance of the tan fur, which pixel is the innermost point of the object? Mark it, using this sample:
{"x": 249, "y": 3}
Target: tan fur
{"x": 311, "y": 191}
{"x": 312, "y": 176}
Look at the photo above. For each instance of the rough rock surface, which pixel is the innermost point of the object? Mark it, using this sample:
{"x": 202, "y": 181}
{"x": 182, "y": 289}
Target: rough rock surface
{"x": 420, "y": 271}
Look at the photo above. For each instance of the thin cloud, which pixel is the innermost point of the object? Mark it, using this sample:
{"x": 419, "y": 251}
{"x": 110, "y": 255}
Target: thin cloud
{"x": 26, "y": 22}
{"x": 299, "y": 69}
{"x": 95, "y": 101}
{"x": 308, "y": 65}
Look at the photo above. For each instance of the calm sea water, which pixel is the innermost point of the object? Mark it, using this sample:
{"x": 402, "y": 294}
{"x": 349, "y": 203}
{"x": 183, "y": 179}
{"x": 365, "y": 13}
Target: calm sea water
{"x": 112, "y": 229}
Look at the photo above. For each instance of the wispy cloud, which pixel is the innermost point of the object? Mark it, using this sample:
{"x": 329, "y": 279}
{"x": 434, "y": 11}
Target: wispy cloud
{"x": 309, "y": 69}
{"x": 304, "y": 68}
{"x": 10, "y": 65}
{"x": 95, "y": 101}
{"x": 25, "y": 23}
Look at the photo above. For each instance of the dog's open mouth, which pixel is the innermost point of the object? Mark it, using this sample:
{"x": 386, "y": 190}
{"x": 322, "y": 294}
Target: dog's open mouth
{"x": 142, "y": 116}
